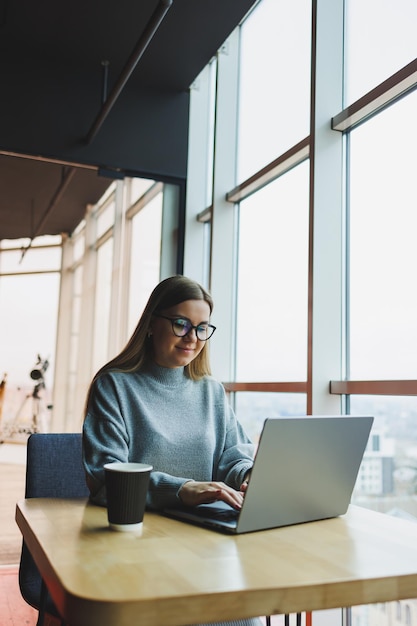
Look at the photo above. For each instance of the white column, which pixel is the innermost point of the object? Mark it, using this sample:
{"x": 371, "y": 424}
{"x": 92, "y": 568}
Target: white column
{"x": 223, "y": 241}
{"x": 85, "y": 352}
{"x": 116, "y": 326}
{"x": 200, "y": 139}
{"x": 59, "y": 417}
{"x": 169, "y": 234}
{"x": 328, "y": 227}
{"x": 327, "y": 195}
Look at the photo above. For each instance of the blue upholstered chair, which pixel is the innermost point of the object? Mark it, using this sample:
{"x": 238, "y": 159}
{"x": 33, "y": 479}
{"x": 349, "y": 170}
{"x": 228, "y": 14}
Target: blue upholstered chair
{"x": 54, "y": 470}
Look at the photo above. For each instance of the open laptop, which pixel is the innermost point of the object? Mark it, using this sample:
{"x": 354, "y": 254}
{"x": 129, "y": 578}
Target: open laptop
{"x": 305, "y": 469}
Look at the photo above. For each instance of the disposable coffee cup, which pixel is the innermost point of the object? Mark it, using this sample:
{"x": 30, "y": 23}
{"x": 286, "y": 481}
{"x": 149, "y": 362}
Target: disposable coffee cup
{"x": 126, "y": 487}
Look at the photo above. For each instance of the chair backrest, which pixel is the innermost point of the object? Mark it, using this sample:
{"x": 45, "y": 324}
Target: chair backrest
{"x": 54, "y": 469}
{"x": 54, "y": 466}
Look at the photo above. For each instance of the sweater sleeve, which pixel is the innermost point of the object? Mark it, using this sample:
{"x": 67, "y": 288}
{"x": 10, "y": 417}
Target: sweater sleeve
{"x": 237, "y": 456}
{"x": 106, "y": 440}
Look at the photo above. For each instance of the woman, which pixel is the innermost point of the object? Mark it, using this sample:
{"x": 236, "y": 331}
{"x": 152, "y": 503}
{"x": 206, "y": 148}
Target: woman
{"x": 157, "y": 403}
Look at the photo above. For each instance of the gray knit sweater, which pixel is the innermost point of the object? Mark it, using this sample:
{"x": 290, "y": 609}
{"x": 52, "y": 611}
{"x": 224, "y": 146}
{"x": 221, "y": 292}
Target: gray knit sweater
{"x": 185, "y": 429}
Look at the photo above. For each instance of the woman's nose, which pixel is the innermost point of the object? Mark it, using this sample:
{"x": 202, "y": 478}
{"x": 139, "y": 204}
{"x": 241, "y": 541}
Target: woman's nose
{"x": 191, "y": 335}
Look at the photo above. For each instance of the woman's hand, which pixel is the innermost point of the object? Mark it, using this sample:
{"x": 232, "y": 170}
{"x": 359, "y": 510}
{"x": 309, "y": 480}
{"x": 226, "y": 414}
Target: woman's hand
{"x": 244, "y": 486}
{"x": 194, "y": 492}
{"x": 245, "y": 483}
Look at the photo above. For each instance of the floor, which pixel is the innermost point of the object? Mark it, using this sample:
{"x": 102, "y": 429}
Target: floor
{"x": 13, "y": 609}
{"x": 12, "y": 488}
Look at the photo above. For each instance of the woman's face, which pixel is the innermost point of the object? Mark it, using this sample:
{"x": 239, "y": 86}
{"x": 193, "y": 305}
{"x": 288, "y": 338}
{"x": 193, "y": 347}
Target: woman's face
{"x": 170, "y": 350}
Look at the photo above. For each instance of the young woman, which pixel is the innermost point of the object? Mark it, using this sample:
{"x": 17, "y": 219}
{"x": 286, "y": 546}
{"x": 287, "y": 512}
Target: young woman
{"x": 157, "y": 403}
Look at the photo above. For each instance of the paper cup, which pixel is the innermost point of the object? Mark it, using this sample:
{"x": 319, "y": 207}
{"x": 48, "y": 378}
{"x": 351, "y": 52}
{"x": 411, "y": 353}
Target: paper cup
{"x": 126, "y": 487}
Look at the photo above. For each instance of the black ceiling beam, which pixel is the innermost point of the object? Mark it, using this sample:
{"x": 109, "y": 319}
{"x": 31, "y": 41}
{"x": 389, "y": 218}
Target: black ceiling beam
{"x": 143, "y": 42}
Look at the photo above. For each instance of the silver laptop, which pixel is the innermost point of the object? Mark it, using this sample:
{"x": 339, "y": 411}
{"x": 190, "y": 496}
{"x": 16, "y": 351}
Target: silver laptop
{"x": 305, "y": 469}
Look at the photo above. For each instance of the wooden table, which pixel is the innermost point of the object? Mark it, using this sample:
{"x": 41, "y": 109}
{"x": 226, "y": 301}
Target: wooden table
{"x": 176, "y": 574}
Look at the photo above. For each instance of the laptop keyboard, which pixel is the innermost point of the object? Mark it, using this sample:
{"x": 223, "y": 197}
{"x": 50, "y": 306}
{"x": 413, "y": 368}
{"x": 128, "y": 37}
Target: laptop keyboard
{"x": 225, "y": 515}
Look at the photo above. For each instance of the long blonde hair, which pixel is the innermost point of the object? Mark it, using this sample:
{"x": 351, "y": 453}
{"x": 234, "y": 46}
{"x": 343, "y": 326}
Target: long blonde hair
{"x": 138, "y": 349}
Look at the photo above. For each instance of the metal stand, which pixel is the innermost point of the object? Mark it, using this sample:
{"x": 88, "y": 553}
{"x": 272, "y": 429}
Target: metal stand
{"x": 33, "y": 405}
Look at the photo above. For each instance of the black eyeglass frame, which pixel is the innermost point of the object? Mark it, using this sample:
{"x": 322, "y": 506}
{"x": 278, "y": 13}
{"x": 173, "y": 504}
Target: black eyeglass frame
{"x": 192, "y": 327}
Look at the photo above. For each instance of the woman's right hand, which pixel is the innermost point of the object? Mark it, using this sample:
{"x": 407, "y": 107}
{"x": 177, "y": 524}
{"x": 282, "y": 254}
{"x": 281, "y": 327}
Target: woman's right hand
{"x": 193, "y": 493}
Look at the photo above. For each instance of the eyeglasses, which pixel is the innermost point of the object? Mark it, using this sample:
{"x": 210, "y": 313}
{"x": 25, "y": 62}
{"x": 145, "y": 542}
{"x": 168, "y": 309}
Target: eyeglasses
{"x": 181, "y": 326}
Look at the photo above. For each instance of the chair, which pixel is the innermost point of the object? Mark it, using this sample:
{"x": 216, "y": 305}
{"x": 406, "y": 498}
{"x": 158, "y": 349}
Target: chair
{"x": 54, "y": 469}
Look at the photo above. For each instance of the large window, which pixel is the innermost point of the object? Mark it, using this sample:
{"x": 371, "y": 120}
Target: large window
{"x": 324, "y": 264}
{"x": 382, "y": 307}
{"x": 111, "y": 264}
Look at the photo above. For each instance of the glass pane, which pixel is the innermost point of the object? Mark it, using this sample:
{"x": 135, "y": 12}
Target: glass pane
{"x": 274, "y": 82}
{"x": 272, "y": 281}
{"x": 105, "y": 218}
{"x": 44, "y": 240}
{"x": 28, "y": 322}
{"x": 252, "y": 408}
{"x": 380, "y": 40}
{"x": 138, "y": 187}
{"x": 33, "y": 260}
{"x": 79, "y": 246}
{"x": 102, "y": 304}
{"x": 387, "y": 480}
{"x": 145, "y": 258}
{"x": 383, "y": 254}
{"x": 385, "y": 613}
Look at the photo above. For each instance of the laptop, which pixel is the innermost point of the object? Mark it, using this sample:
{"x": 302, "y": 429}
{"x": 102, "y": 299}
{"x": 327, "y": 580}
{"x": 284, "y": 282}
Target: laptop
{"x": 305, "y": 470}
